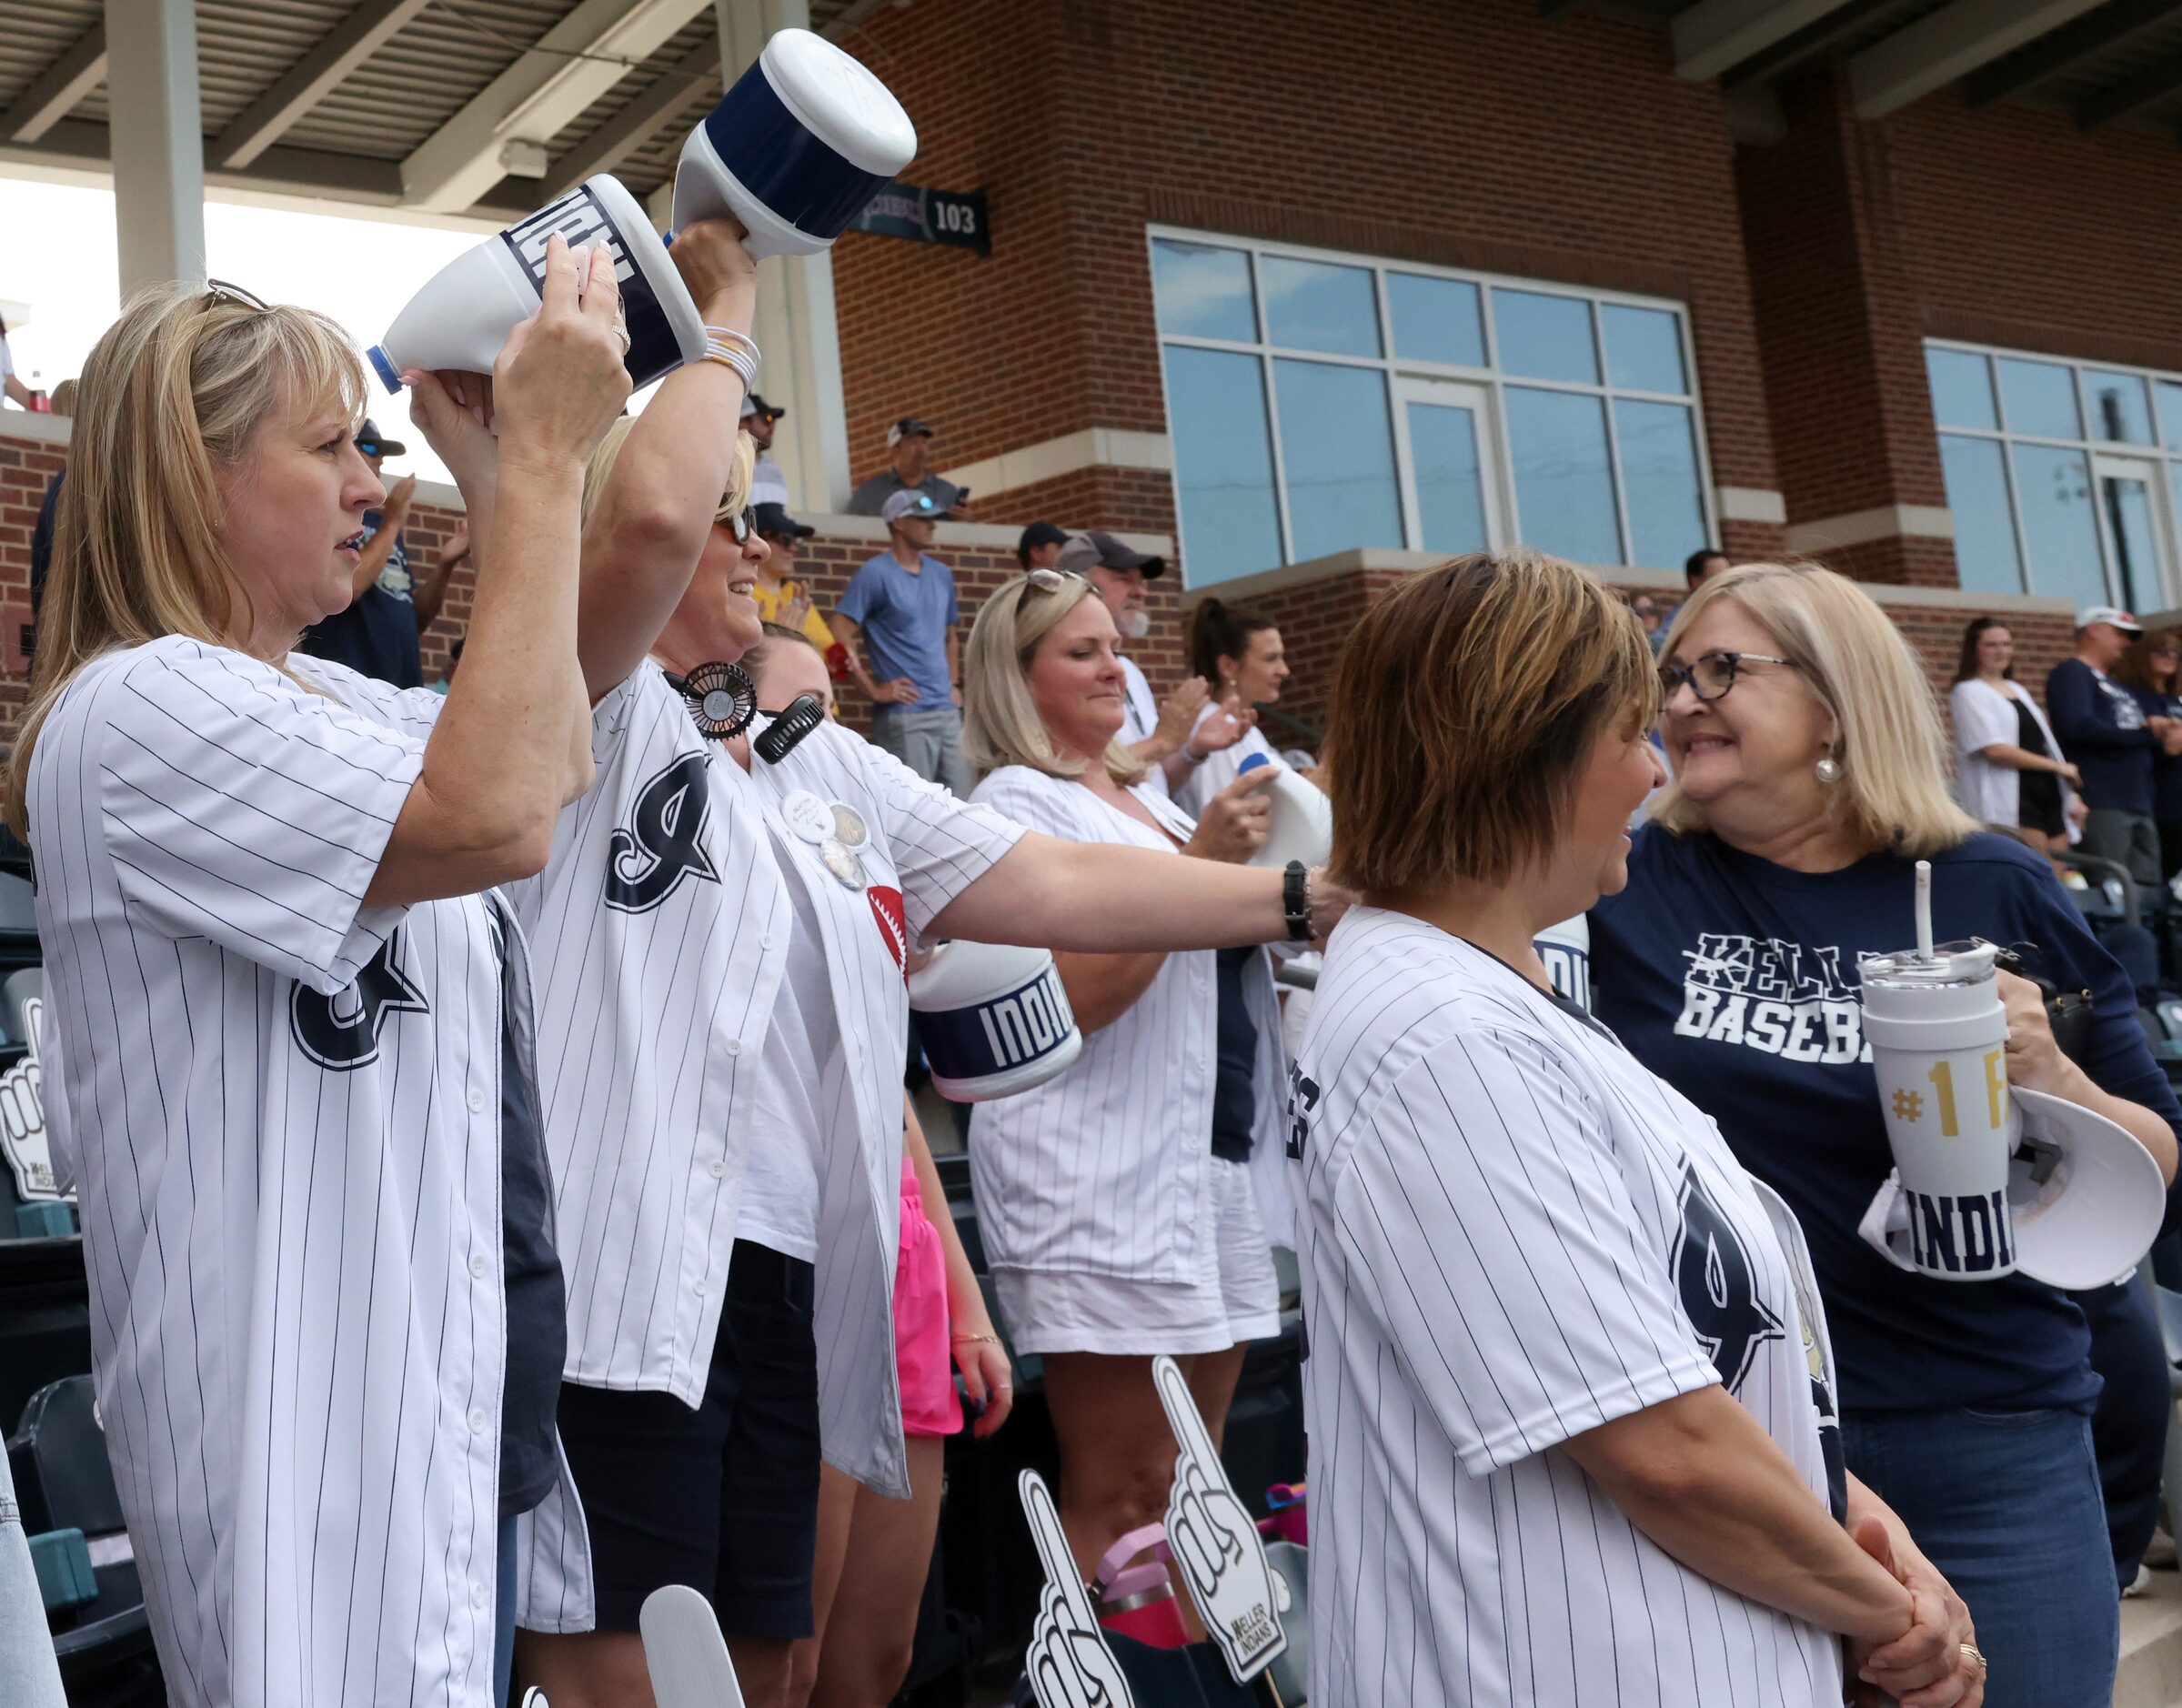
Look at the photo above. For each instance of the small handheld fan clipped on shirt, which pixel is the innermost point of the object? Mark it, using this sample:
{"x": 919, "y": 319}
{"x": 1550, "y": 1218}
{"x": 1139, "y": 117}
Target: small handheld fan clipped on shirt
{"x": 1989, "y": 1178}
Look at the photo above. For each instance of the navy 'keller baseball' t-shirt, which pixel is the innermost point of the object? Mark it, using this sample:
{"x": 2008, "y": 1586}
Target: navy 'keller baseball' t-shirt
{"x": 1735, "y": 981}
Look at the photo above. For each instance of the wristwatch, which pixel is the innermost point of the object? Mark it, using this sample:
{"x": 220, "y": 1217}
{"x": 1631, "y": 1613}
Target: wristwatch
{"x": 1295, "y": 901}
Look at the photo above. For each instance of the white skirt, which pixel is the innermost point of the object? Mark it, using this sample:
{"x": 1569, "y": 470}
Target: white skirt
{"x": 1233, "y": 1297}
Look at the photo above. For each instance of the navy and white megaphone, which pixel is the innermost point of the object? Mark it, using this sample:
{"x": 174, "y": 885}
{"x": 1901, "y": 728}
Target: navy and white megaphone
{"x": 1302, "y": 823}
{"x": 796, "y": 150}
{"x": 462, "y": 317}
{"x": 993, "y": 1020}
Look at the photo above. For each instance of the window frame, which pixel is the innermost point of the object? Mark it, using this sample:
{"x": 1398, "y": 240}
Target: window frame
{"x": 1505, "y": 501}
{"x": 2167, "y": 500}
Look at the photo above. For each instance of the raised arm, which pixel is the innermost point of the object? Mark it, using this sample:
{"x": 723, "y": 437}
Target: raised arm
{"x": 649, "y": 528}
{"x": 500, "y": 764}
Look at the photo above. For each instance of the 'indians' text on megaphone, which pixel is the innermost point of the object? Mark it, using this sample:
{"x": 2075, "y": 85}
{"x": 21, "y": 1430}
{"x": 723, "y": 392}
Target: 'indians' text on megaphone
{"x": 993, "y": 1020}
{"x": 461, "y": 318}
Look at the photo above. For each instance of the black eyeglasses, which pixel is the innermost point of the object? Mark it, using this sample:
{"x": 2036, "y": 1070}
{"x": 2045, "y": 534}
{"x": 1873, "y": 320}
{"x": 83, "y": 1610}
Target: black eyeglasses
{"x": 740, "y": 524}
{"x": 1713, "y": 674}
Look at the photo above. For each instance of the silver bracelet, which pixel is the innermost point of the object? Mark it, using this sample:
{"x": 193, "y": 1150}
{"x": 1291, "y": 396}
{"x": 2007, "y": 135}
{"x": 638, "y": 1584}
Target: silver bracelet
{"x": 1190, "y": 752}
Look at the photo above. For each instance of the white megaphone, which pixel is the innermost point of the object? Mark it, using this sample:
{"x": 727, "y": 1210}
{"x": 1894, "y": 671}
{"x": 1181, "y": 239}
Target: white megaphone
{"x": 1565, "y": 949}
{"x": 796, "y": 150}
{"x": 1301, "y": 828}
{"x": 462, "y": 317}
{"x": 1989, "y": 1178}
{"x": 993, "y": 1020}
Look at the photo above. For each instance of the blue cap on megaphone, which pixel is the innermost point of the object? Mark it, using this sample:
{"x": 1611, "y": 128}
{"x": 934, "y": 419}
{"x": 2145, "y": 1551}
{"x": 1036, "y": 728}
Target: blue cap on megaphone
{"x": 796, "y": 150}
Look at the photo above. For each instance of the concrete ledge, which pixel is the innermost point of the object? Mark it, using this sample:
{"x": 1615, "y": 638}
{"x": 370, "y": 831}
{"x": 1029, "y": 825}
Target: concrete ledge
{"x": 1089, "y": 447}
{"x": 1667, "y": 582}
{"x": 1860, "y": 527}
{"x": 25, "y": 424}
{"x": 2151, "y": 1646}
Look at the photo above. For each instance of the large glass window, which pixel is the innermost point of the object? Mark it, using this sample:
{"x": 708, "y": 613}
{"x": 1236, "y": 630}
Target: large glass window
{"x": 1293, "y": 402}
{"x": 2064, "y": 478}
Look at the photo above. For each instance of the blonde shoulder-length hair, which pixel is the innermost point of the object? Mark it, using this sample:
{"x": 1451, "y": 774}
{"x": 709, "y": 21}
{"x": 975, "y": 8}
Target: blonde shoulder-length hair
{"x": 1000, "y": 725}
{"x": 174, "y": 393}
{"x": 1889, "y": 741}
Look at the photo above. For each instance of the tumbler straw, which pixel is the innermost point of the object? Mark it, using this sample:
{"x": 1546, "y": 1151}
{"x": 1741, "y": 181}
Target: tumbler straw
{"x": 1924, "y": 910}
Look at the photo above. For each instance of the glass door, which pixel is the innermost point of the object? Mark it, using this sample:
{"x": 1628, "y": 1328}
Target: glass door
{"x": 2132, "y": 514}
{"x": 1450, "y": 475}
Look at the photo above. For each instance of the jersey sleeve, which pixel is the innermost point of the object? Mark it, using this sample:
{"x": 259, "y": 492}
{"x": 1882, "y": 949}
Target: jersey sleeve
{"x": 239, "y": 807}
{"x": 1982, "y": 717}
{"x": 941, "y": 844}
{"x": 1484, "y": 1223}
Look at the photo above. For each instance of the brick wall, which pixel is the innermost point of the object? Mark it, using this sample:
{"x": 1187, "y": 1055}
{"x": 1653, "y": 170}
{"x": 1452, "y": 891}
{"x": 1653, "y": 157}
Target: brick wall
{"x": 1478, "y": 134}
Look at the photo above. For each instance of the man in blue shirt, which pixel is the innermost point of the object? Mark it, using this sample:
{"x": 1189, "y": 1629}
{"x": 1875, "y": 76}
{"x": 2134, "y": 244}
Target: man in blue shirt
{"x": 2105, "y": 732}
{"x": 900, "y": 608}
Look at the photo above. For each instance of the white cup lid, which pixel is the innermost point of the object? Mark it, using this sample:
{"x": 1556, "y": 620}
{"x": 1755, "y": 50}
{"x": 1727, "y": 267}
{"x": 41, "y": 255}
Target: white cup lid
{"x": 2097, "y": 1211}
{"x": 840, "y": 101}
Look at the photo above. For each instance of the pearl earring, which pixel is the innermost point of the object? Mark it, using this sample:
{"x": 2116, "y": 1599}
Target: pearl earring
{"x": 1829, "y": 770}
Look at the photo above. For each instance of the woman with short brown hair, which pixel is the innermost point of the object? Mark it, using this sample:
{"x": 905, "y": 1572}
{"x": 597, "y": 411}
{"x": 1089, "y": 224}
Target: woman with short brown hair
{"x": 1544, "y": 1300}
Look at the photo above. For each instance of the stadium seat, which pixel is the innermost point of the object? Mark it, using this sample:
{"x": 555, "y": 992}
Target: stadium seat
{"x": 65, "y": 1483}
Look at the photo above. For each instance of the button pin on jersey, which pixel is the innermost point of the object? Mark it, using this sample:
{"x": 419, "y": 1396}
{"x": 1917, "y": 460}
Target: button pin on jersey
{"x": 809, "y": 817}
{"x": 841, "y": 862}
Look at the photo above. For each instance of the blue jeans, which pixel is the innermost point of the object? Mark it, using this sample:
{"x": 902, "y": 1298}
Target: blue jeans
{"x": 2008, "y": 1505}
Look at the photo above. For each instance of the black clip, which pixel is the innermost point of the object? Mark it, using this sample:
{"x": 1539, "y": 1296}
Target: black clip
{"x": 777, "y": 739}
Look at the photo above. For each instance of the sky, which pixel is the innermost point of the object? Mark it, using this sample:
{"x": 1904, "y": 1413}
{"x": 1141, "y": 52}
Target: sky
{"x": 359, "y": 271}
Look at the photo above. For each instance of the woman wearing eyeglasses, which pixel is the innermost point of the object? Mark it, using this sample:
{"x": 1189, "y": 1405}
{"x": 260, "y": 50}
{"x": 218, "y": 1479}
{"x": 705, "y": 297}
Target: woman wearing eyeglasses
{"x": 290, "y": 1017}
{"x": 1810, "y": 775}
{"x": 2151, "y": 669}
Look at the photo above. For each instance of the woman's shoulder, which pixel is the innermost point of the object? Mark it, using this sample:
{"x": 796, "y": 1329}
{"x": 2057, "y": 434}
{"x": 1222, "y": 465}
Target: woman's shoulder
{"x": 2006, "y": 859}
{"x": 145, "y": 679}
{"x": 1023, "y": 791}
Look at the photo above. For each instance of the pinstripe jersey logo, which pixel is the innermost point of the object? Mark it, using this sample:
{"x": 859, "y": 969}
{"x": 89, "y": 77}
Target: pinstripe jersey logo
{"x": 1719, "y": 1292}
{"x": 664, "y": 841}
{"x": 341, "y": 1032}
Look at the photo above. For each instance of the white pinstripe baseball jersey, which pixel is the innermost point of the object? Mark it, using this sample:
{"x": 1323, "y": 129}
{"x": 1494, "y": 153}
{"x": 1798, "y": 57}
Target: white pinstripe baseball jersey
{"x": 659, "y": 929}
{"x": 922, "y": 847}
{"x": 1140, "y": 718}
{"x": 285, "y": 1108}
{"x": 1106, "y": 1168}
{"x": 1511, "y": 1232}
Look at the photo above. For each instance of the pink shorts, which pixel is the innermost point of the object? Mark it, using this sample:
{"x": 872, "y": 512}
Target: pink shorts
{"x": 923, "y": 1357}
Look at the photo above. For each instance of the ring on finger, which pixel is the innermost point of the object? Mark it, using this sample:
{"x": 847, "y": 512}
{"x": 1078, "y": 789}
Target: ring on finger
{"x": 1971, "y": 1652}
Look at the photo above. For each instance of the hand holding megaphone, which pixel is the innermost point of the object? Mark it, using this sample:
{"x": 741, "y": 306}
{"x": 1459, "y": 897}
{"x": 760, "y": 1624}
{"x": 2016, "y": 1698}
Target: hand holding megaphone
{"x": 1236, "y": 821}
{"x": 721, "y": 277}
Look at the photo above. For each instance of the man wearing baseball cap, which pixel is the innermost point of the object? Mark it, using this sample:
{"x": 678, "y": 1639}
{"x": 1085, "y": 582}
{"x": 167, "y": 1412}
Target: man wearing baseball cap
{"x": 910, "y": 469}
{"x": 379, "y": 633}
{"x": 897, "y": 624}
{"x": 769, "y": 486}
{"x": 1157, "y": 733}
{"x": 1040, "y": 546}
{"x": 2105, "y": 733}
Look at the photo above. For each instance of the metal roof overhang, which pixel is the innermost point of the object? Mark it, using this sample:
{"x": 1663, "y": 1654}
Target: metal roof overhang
{"x": 462, "y": 110}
